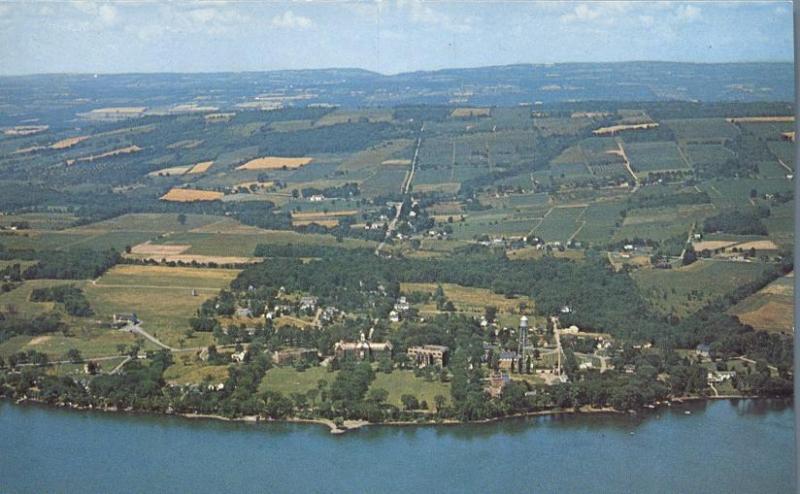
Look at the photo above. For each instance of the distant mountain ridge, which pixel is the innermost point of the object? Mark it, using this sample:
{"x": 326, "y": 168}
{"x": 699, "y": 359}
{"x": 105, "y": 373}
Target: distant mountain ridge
{"x": 505, "y": 85}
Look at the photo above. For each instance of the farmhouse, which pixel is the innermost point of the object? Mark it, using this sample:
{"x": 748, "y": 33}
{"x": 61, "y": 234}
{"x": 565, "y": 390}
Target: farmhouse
{"x": 426, "y": 355}
{"x": 703, "y": 350}
{"x": 244, "y": 312}
{"x": 716, "y": 377}
{"x": 363, "y": 349}
{"x": 121, "y": 320}
{"x": 402, "y": 305}
{"x": 308, "y": 303}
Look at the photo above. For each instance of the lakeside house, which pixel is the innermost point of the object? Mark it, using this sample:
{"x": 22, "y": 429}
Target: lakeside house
{"x": 496, "y": 382}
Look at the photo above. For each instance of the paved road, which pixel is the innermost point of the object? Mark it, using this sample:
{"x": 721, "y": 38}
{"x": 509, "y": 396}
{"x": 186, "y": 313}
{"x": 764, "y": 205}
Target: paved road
{"x": 120, "y": 366}
{"x": 138, "y": 330}
{"x": 404, "y": 189}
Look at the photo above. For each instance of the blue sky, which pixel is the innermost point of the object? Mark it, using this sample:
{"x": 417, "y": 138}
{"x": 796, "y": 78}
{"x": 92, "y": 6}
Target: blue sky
{"x": 385, "y": 36}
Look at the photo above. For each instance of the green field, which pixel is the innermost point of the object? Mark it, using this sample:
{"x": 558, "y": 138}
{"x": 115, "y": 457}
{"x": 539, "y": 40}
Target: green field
{"x": 243, "y": 243}
{"x": 161, "y": 297}
{"x": 401, "y": 382}
{"x": 702, "y": 129}
{"x": 286, "y": 380}
{"x": 648, "y": 157}
{"x": 662, "y": 223}
{"x": 682, "y": 291}
{"x": 560, "y": 224}
{"x": 601, "y": 219}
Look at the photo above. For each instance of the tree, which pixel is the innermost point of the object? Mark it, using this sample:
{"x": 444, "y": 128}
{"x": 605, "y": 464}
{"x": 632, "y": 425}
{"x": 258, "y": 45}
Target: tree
{"x": 490, "y": 313}
{"x": 409, "y": 402}
{"x": 74, "y": 356}
{"x": 182, "y": 219}
{"x": 439, "y": 402}
{"x": 92, "y": 367}
{"x": 378, "y": 395}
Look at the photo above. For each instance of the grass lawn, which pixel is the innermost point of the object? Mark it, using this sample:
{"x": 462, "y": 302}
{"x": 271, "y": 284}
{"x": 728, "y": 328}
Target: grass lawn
{"x": 163, "y": 276}
{"x": 96, "y": 342}
{"x": 19, "y": 298}
{"x": 287, "y": 380}
{"x": 401, "y": 382}
{"x": 194, "y": 373}
{"x": 470, "y": 299}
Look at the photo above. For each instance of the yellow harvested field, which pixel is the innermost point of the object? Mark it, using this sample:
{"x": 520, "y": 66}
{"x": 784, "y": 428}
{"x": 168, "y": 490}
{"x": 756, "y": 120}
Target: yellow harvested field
{"x": 149, "y": 248}
{"x": 470, "y": 112}
{"x": 187, "y": 144}
{"x": 787, "y": 118}
{"x": 779, "y": 289}
{"x": 396, "y": 162}
{"x": 274, "y": 163}
{"x": 770, "y": 315}
{"x": 25, "y": 130}
{"x": 618, "y": 128}
{"x": 759, "y": 245}
{"x": 68, "y": 142}
{"x": 28, "y": 149}
{"x": 201, "y": 167}
{"x": 319, "y": 221}
{"x": 317, "y": 214}
{"x": 121, "y": 109}
{"x": 114, "y": 152}
{"x": 175, "y": 170}
{"x": 446, "y": 187}
{"x": 191, "y": 195}
{"x": 712, "y": 244}
{"x": 39, "y": 340}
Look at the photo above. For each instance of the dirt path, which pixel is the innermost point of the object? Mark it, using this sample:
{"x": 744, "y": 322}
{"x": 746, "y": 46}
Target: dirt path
{"x": 119, "y": 367}
{"x": 788, "y": 169}
{"x": 628, "y": 165}
{"x": 583, "y": 223}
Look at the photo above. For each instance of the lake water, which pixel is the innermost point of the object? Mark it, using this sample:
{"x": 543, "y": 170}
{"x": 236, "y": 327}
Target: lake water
{"x": 723, "y": 446}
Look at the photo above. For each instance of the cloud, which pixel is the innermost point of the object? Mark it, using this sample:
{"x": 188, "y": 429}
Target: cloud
{"x": 289, "y": 20}
{"x": 687, "y": 13}
{"x": 420, "y": 13}
{"x": 581, "y": 13}
{"x": 108, "y": 15}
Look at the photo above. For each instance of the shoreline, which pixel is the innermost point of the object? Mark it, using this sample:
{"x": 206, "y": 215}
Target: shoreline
{"x": 351, "y": 425}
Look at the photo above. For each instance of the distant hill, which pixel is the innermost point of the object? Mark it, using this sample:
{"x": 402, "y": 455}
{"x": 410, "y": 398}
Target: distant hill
{"x": 65, "y": 95}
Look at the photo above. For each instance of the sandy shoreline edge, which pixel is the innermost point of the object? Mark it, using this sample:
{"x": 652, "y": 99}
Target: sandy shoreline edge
{"x": 349, "y": 425}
